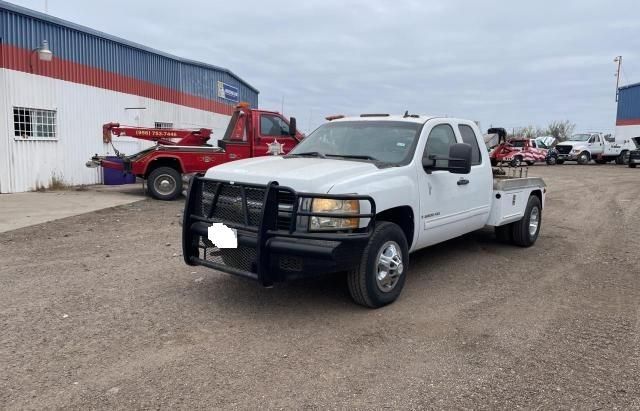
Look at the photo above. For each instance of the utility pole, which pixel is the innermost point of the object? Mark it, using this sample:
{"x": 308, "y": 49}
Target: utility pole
{"x": 619, "y": 61}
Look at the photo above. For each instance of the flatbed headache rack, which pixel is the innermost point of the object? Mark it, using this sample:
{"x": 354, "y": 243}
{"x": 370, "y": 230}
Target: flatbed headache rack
{"x": 265, "y": 217}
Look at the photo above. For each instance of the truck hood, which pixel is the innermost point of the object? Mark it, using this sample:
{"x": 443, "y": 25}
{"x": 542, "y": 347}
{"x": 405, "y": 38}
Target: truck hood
{"x": 300, "y": 173}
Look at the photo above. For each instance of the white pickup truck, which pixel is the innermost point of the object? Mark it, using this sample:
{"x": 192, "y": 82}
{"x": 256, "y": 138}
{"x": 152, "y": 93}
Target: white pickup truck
{"x": 358, "y": 195}
{"x": 602, "y": 148}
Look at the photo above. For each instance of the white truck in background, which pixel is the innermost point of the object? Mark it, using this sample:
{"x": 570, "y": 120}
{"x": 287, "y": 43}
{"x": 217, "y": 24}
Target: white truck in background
{"x": 601, "y": 148}
{"x": 358, "y": 195}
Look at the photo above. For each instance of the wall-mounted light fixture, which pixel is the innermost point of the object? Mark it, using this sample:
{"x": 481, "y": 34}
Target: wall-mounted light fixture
{"x": 43, "y": 52}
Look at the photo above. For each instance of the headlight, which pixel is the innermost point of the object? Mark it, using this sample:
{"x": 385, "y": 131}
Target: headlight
{"x": 576, "y": 150}
{"x": 327, "y": 205}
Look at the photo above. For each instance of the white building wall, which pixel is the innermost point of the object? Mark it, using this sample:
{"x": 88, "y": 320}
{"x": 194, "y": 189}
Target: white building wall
{"x": 4, "y": 142}
{"x": 625, "y": 133}
{"x": 81, "y": 112}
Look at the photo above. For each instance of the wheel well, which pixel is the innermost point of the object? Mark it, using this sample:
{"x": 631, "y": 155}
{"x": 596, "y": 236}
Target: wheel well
{"x": 538, "y": 194}
{"x": 403, "y": 217}
{"x": 163, "y": 162}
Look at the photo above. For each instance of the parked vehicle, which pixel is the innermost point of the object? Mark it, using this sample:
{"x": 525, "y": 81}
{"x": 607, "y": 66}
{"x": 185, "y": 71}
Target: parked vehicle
{"x": 516, "y": 151}
{"x": 250, "y": 133}
{"x": 585, "y": 147}
{"x": 634, "y": 155}
{"x": 357, "y": 195}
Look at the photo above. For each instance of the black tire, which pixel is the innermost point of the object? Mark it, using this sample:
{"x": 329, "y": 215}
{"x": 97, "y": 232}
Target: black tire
{"x": 504, "y": 233}
{"x": 521, "y": 230}
{"x": 552, "y": 161}
{"x": 583, "y": 158}
{"x": 632, "y": 165}
{"x": 516, "y": 161}
{"x": 624, "y": 157}
{"x": 362, "y": 280}
{"x": 494, "y": 162}
{"x": 164, "y": 183}
{"x": 558, "y": 161}
{"x": 530, "y": 163}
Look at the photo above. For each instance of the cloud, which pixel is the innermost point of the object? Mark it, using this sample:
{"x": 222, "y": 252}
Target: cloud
{"x": 499, "y": 62}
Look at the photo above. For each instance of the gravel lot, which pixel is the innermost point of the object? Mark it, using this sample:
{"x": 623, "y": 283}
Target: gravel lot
{"x": 99, "y": 311}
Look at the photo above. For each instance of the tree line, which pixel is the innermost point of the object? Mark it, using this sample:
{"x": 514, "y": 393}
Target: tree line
{"x": 558, "y": 129}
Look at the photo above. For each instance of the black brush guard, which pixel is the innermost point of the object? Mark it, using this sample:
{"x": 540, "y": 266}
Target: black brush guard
{"x": 268, "y": 223}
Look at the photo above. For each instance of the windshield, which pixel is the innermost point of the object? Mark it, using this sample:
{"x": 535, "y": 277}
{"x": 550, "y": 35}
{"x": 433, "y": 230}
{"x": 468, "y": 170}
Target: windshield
{"x": 517, "y": 143}
{"x": 579, "y": 137}
{"x": 391, "y": 142}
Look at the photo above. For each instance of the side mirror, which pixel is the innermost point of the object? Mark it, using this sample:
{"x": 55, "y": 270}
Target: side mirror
{"x": 460, "y": 158}
{"x": 292, "y": 126}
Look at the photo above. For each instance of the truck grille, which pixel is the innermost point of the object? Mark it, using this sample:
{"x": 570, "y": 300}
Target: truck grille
{"x": 563, "y": 149}
{"x": 229, "y": 205}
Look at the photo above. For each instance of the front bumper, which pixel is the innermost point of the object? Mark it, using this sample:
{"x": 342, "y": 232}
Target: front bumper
{"x": 568, "y": 157}
{"x": 273, "y": 246}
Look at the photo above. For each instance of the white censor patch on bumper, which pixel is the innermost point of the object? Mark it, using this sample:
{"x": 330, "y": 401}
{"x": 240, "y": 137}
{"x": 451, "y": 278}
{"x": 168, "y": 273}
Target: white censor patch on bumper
{"x": 222, "y": 236}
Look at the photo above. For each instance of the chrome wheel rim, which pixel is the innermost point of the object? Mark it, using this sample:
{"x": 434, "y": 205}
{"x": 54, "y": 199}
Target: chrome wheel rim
{"x": 534, "y": 221}
{"x": 165, "y": 184}
{"x": 389, "y": 266}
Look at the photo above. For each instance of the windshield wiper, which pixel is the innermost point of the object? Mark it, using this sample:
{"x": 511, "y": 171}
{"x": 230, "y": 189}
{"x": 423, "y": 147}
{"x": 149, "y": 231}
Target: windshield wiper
{"x": 309, "y": 153}
{"x": 355, "y": 156}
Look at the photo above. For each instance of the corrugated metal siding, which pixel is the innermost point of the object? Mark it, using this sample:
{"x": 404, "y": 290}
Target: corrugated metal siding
{"x": 88, "y": 48}
{"x": 629, "y": 103}
{"x": 81, "y": 110}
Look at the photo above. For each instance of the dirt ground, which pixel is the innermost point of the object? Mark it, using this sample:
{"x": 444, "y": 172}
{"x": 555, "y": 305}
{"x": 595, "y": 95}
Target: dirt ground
{"x": 99, "y": 311}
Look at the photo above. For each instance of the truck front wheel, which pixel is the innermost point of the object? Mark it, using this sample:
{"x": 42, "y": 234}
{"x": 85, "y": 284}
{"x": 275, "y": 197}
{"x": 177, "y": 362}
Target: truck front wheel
{"x": 525, "y": 232}
{"x": 165, "y": 183}
{"x": 583, "y": 158}
{"x": 380, "y": 276}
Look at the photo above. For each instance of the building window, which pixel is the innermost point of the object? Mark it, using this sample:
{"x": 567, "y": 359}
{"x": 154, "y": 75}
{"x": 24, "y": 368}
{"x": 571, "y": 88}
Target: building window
{"x": 34, "y": 123}
{"x": 160, "y": 124}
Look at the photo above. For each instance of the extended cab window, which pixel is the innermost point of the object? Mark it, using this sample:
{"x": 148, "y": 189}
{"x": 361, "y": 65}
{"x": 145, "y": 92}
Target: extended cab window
{"x": 438, "y": 142}
{"x": 469, "y": 137}
{"x": 273, "y": 126}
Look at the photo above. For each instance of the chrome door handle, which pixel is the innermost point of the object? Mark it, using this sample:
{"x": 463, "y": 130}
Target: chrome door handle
{"x": 463, "y": 181}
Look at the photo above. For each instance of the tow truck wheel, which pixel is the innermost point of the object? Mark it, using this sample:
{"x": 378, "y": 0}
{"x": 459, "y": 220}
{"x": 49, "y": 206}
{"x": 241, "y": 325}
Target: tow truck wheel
{"x": 552, "y": 161}
{"x": 583, "y": 158}
{"x": 165, "y": 183}
{"x": 516, "y": 161}
{"x": 380, "y": 276}
{"x": 525, "y": 232}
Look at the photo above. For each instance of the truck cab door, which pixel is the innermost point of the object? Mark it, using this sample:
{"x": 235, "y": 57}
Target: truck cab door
{"x": 596, "y": 145}
{"x": 273, "y": 136}
{"x": 452, "y": 204}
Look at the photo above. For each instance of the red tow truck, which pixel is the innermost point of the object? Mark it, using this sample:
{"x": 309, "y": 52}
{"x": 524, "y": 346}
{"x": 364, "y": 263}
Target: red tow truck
{"x": 516, "y": 151}
{"x": 250, "y": 133}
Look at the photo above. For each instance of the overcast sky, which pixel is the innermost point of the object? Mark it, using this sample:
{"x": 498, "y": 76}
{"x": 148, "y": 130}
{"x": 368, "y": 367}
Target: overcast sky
{"x": 507, "y": 63}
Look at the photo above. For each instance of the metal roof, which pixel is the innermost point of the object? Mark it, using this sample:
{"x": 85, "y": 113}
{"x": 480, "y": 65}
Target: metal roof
{"x": 626, "y": 86}
{"x": 64, "y": 23}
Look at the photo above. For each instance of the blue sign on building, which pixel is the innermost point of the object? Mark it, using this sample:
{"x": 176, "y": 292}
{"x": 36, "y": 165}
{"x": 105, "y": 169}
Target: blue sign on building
{"x": 228, "y": 92}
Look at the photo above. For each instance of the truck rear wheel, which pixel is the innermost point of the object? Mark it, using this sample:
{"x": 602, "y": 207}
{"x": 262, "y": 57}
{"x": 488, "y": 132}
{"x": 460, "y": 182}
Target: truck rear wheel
{"x": 525, "y": 232}
{"x": 164, "y": 183}
{"x": 380, "y": 276}
{"x": 516, "y": 162}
